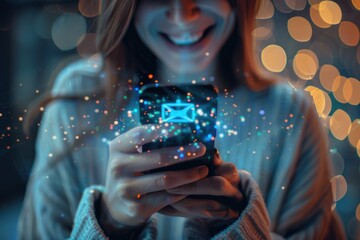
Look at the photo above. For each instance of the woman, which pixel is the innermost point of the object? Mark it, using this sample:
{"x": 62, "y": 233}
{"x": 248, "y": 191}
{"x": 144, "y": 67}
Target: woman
{"x": 273, "y": 162}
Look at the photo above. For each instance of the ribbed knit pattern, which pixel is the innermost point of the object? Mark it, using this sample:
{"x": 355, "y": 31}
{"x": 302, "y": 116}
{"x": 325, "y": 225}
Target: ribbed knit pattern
{"x": 86, "y": 225}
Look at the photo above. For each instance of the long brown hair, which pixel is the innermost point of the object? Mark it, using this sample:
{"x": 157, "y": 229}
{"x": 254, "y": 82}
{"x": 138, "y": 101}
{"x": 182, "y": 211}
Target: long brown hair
{"x": 125, "y": 55}
{"x": 122, "y": 49}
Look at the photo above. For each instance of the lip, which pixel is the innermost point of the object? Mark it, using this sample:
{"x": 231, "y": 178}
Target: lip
{"x": 208, "y": 32}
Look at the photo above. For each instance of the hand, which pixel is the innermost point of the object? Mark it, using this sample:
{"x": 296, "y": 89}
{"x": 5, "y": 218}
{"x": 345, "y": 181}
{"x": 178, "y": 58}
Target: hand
{"x": 130, "y": 196}
{"x": 224, "y": 183}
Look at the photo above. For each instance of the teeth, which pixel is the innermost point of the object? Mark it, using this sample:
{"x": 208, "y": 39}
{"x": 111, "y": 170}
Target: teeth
{"x": 186, "y": 39}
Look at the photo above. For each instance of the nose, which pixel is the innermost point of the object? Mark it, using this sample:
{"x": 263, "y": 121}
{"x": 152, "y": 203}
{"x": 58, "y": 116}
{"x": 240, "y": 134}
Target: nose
{"x": 182, "y": 12}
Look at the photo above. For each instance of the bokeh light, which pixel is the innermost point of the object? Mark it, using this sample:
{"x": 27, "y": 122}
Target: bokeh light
{"x": 321, "y": 100}
{"x": 340, "y": 124}
{"x": 262, "y": 33}
{"x": 313, "y": 2}
{"x": 316, "y": 18}
{"x": 299, "y": 29}
{"x": 349, "y": 33}
{"x": 354, "y": 133}
{"x": 89, "y": 8}
{"x": 296, "y": 5}
{"x": 351, "y": 91}
{"x": 356, "y": 4}
{"x": 274, "y": 58}
{"x": 339, "y": 187}
{"x": 282, "y": 6}
{"x": 328, "y": 74}
{"x": 67, "y": 30}
{"x": 305, "y": 64}
{"x": 266, "y": 10}
{"x": 330, "y": 12}
{"x": 338, "y": 89}
{"x": 358, "y": 212}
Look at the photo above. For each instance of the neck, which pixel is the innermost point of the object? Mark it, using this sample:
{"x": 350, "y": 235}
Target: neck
{"x": 210, "y": 75}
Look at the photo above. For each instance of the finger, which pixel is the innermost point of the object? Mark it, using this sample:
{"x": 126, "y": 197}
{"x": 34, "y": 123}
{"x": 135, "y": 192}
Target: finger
{"x": 202, "y": 208}
{"x": 215, "y": 186}
{"x": 142, "y": 207}
{"x": 132, "y": 140}
{"x": 227, "y": 171}
{"x": 163, "y": 157}
{"x": 170, "y": 211}
{"x": 217, "y": 159}
{"x": 163, "y": 180}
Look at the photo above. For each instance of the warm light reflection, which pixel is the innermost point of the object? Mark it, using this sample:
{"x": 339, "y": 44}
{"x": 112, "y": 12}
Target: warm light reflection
{"x": 89, "y": 8}
{"x": 273, "y": 57}
{"x": 315, "y": 17}
{"x": 339, "y": 187}
{"x": 358, "y": 206}
{"x": 67, "y": 30}
{"x": 299, "y": 29}
{"x": 305, "y": 64}
{"x": 330, "y": 12}
{"x": 354, "y": 133}
{"x": 340, "y": 124}
{"x": 351, "y": 91}
{"x": 338, "y": 89}
{"x": 296, "y": 5}
{"x": 313, "y": 2}
{"x": 349, "y": 33}
{"x": 281, "y": 6}
{"x": 356, "y": 4}
{"x": 328, "y": 74}
{"x": 266, "y": 10}
{"x": 321, "y": 100}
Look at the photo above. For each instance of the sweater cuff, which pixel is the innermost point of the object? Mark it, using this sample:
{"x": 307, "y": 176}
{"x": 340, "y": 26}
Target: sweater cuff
{"x": 254, "y": 222}
{"x": 86, "y": 225}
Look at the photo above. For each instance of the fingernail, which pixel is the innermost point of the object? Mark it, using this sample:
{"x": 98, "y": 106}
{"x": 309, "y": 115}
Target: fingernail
{"x": 203, "y": 171}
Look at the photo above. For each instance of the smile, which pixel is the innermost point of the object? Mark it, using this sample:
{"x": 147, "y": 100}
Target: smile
{"x": 187, "y": 39}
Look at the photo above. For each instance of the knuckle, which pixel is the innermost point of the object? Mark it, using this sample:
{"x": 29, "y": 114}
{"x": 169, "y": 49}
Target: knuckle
{"x": 117, "y": 168}
{"x": 220, "y": 182}
{"x": 112, "y": 145}
{"x": 134, "y": 210}
{"x": 161, "y": 182}
{"x": 232, "y": 168}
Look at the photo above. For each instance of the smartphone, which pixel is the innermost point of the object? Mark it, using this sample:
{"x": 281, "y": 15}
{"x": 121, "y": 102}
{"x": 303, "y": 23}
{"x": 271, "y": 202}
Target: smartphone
{"x": 192, "y": 108}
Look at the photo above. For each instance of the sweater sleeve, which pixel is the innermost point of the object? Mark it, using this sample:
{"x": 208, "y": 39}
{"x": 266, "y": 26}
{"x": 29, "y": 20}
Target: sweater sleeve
{"x": 253, "y": 222}
{"x": 60, "y": 196}
{"x": 306, "y": 211}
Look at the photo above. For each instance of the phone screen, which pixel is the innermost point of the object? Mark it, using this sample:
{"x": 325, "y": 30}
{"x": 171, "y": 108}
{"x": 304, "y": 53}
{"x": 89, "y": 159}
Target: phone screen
{"x": 193, "y": 107}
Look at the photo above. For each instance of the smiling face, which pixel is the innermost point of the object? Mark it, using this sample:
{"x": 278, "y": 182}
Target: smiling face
{"x": 186, "y": 35}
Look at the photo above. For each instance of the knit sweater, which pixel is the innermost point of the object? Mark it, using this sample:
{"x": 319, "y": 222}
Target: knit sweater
{"x": 274, "y": 138}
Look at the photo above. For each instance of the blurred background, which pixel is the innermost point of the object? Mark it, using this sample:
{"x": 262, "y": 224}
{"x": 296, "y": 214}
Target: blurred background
{"x": 312, "y": 44}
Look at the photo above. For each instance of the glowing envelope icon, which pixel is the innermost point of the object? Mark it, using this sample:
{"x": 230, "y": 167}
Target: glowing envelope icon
{"x": 178, "y": 112}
